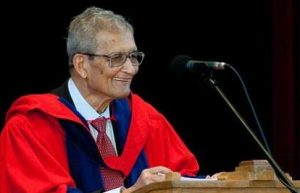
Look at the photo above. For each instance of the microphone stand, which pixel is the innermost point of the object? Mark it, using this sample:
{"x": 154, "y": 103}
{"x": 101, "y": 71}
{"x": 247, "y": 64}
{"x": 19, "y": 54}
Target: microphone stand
{"x": 278, "y": 171}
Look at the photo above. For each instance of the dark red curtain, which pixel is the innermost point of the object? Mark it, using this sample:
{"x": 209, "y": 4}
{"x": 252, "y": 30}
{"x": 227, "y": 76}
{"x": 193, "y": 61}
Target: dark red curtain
{"x": 285, "y": 90}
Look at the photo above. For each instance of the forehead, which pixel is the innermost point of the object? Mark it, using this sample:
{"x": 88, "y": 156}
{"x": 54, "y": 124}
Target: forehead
{"x": 115, "y": 41}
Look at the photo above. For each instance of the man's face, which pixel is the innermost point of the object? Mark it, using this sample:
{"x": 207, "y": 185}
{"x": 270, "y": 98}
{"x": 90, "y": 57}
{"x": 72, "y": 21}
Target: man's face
{"x": 107, "y": 81}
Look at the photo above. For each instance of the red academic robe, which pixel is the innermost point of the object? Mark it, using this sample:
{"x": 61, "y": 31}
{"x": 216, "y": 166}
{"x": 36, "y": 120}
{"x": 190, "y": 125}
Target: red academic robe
{"x": 33, "y": 157}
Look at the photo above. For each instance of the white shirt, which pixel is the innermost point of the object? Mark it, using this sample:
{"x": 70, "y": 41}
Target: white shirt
{"x": 89, "y": 113}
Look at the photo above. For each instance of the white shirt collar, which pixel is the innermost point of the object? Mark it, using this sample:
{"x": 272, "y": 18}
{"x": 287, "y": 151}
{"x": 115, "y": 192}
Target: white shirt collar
{"x": 82, "y": 106}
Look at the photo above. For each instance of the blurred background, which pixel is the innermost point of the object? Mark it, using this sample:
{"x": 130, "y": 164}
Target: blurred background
{"x": 260, "y": 38}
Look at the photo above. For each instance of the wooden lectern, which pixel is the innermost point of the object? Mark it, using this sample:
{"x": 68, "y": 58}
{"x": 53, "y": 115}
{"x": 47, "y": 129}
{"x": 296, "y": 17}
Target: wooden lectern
{"x": 254, "y": 176}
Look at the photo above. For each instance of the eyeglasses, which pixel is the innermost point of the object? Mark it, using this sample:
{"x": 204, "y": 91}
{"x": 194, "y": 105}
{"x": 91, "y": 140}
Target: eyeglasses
{"x": 118, "y": 59}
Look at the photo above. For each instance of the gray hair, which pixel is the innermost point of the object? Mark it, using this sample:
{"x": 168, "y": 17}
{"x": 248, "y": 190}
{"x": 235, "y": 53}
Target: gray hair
{"x": 84, "y": 27}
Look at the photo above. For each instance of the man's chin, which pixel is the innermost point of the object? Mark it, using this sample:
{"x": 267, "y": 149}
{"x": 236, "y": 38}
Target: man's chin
{"x": 123, "y": 94}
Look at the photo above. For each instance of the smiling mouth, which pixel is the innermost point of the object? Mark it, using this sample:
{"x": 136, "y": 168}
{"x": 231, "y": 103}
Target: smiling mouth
{"x": 123, "y": 79}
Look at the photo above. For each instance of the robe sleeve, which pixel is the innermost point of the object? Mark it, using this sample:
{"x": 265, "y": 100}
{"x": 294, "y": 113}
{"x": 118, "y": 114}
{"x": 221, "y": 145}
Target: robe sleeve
{"x": 33, "y": 156}
{"x": 164, "y": 147}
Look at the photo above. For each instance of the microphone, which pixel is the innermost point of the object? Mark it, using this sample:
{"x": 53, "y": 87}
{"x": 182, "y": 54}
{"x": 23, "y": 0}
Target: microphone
{"x": 183, "y": 63}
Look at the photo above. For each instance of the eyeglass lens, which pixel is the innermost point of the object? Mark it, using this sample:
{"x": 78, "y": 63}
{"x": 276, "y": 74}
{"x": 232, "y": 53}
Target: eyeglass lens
{"x": 119, "y": 59}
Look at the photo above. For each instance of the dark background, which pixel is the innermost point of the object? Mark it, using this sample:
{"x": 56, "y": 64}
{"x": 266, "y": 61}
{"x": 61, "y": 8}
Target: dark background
{"x": 241, "y": 33}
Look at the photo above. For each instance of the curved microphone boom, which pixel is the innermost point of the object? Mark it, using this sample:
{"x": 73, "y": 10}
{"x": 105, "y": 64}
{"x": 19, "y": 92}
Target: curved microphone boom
{"x": 183, "y": 63}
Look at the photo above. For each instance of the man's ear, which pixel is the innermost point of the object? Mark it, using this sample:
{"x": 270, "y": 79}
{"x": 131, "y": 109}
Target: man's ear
{"x": 79, "y": 63}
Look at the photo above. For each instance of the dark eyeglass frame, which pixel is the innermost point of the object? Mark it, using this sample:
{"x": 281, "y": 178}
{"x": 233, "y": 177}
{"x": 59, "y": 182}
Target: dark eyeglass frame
{"x": 133, "y": 57}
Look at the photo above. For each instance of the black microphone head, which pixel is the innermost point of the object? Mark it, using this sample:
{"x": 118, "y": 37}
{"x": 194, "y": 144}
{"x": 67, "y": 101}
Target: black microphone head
{"x": 179, "y": 65}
